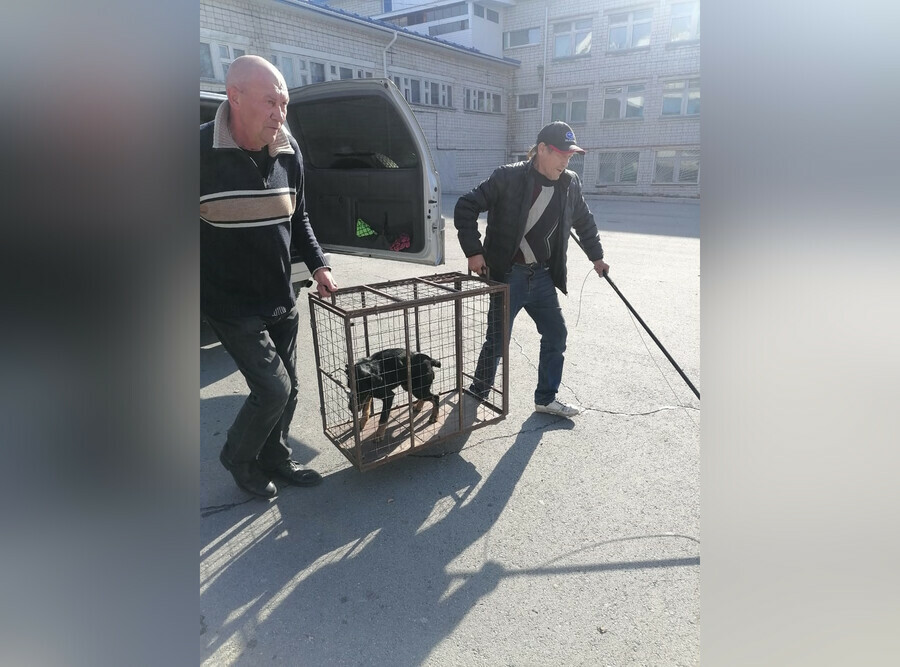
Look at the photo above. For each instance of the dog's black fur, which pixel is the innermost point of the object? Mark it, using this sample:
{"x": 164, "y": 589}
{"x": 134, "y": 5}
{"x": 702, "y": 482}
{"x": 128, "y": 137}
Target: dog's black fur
{"x": 377, "y": 377}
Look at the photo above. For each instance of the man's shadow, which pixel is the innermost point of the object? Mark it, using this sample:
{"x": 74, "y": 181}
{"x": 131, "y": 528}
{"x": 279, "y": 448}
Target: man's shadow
{"x": 358, "y": 567}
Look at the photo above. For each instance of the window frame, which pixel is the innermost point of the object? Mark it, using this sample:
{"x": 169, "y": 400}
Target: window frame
{"x": 685, "y": 97}
{"x": 472, "y": 95}
{"x": 305, "y": 65}
{"x": 219, "y": 63}
{"x": 537, "y": 101}
{"x": 408, "y": 82}
{"x": 629, "y": 25}
{"x": 439, "y": 29}
{"x": 623, "y": 98}
{"x": 573, "y": 33}
{"x": 694, "y": 20}
{"x": 506, "y": 38}
{"x": 571, "y": 98}
{"x": 576, "y": 164}
{"x": 680, "y": 155}
{"x": 619, "y": 166}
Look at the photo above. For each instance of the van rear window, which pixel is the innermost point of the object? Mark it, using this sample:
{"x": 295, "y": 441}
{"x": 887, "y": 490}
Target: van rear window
{"x": 353, "y": 133}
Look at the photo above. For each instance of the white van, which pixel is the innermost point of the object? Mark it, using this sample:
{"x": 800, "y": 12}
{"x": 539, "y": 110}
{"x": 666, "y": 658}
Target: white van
{"x": 371, "y": 185}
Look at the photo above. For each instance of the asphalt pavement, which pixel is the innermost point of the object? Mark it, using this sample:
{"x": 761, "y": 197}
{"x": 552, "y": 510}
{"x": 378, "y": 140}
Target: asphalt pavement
{"x": 535, "y": 541}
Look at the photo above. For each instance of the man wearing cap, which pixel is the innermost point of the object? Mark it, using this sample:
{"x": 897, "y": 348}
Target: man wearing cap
{"x": 531, "y": 207}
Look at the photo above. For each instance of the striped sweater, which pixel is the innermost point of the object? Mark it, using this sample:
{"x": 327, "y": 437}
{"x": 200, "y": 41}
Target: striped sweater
{"x": 248, "y": 224}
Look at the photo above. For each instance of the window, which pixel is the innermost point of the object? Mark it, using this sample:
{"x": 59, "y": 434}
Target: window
{"x": 292, "y": 69}
{"x": 483, "y": 100}
{"x": 569, "y": 106}
{"x": 298, "y": 71}
{"x": 623, "y": 101}
{"x": 630, "y": 30}
{"x": 528, "y": 101}
{"x": 446, "y": 12}
{"x": 411, "y": 88}
{"x": 444, "y": 28}
{"x": 206, "y": 65}
{"x": 524, "y": 37}
{"x": 681, "y": 98}
{"x": 215, "y": 58}
{"x": 674, "y": 166}
{"x": 618, "y": 167}
{"x": 227, "y": 54}
{"x": 572, "y": 38}
{"x": 422, "y": 91}
{"x": 489, "y": 14}
{"x": 386, "y": 6}
{"x": 685, "y": 22}
{"x": 576, "y": 164}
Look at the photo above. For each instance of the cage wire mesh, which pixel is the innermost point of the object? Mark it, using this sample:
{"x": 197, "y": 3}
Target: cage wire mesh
{"x": 368, "y": 337}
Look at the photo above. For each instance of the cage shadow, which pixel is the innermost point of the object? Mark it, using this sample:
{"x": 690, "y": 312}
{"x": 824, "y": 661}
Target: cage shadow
{"x": 362, "y": 559}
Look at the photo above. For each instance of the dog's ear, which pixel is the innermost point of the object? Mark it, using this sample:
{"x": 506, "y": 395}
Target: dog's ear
{"x": 368, "y": 372}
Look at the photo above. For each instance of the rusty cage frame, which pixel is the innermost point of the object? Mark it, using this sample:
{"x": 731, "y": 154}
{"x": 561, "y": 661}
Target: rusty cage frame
{"x": 443, "y": 315}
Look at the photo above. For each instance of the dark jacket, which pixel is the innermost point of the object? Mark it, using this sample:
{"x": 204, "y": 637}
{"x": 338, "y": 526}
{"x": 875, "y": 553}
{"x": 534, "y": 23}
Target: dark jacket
{"x": 248, "y": 224}
{"x": 506, "y": 196}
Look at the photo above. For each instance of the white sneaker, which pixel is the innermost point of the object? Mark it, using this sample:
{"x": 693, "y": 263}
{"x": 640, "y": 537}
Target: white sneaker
{"x": 558, "y": 408}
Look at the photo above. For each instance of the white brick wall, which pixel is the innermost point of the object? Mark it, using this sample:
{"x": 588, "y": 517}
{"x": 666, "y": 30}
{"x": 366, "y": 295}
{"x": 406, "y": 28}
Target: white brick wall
{"x": 649, "y": 65}
{"x": 469, "y": 145}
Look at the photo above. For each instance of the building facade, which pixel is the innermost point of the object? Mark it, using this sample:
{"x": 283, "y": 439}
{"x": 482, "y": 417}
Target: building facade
{"x": 483, "y": 77}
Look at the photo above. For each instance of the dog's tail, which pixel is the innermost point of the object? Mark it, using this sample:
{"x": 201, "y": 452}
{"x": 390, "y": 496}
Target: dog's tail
{"x": 433, "y": 362}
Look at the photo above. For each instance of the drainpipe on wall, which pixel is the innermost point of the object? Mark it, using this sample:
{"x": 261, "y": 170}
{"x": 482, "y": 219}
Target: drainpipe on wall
{"x": 544, "y": 66}
{"x": 384, "y": 53}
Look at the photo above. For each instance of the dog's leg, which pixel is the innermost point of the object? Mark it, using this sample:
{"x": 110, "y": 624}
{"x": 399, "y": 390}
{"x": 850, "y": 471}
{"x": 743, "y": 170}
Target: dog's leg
{"x": 367, "y": 410}
{"x": 383, "y": 419}
{"x": 417, "y": 408}
{"x": 434, "y": 410}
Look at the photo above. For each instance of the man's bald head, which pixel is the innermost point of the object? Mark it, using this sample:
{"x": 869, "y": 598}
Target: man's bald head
{"x": 258, "y": 97}
{"x": 249, "y": 69}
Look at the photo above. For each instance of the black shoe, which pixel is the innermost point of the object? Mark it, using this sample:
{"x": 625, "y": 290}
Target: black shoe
{"x": 480, "y": 394}
{"x": 292, "y": 473}
{"x": 250, "y": 478}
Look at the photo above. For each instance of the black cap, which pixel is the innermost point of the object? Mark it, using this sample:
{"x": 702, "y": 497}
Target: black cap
{"x": 559, "y": 135}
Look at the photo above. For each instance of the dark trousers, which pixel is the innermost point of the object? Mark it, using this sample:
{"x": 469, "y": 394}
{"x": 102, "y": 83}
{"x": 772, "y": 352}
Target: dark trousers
{"x": 265, "y": 351}
{"x": 530, "y": 288}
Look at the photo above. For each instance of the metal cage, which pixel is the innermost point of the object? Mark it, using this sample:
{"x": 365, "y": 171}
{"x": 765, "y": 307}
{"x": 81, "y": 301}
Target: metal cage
{"x": 444, "y": 316}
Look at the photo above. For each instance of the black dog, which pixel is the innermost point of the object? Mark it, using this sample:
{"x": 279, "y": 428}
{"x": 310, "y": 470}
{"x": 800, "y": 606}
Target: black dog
{"x": 377, "y": 377}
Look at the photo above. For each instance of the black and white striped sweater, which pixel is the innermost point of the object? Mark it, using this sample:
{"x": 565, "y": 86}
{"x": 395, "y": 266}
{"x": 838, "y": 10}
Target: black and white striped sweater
{"x": 248, "y": 224}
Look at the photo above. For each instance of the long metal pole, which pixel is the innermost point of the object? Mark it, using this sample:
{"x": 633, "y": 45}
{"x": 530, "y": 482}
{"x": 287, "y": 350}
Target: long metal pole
{"x": 643, "y": 324}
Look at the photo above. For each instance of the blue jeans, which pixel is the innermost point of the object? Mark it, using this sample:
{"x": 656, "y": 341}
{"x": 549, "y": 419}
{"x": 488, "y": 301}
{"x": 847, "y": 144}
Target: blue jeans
{"x": 265, "y": 351}
{"x": 530, "y": 288}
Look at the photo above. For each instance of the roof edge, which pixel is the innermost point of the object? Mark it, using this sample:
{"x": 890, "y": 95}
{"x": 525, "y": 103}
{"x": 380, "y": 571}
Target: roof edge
{"x": 384, "y": 26}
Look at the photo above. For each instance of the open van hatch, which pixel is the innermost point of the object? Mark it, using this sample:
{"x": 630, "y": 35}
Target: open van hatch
{"x": 371, "y": 186}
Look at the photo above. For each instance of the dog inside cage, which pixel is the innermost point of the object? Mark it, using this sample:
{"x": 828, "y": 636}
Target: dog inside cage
{"x": 404, "y": 344}
{"x": 377, "y": 377}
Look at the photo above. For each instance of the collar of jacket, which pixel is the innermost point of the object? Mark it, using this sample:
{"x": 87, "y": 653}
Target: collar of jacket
{"x": 565, "y": 178}
{"x": 222, "y": 135}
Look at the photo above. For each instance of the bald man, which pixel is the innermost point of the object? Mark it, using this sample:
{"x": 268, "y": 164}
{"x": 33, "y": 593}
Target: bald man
{"x": 252, "y": 211}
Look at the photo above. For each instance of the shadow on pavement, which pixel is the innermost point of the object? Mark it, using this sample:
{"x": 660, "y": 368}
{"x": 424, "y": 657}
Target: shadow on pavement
{"x": 358, "y": 567}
